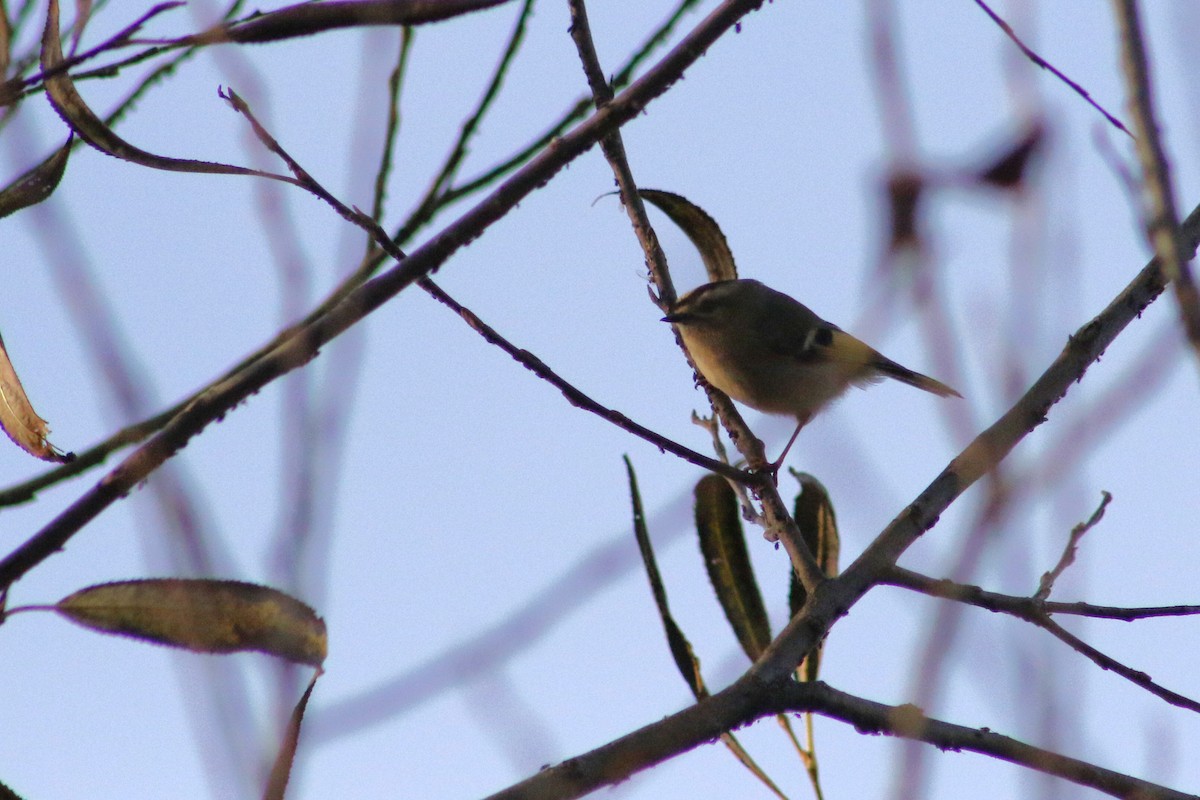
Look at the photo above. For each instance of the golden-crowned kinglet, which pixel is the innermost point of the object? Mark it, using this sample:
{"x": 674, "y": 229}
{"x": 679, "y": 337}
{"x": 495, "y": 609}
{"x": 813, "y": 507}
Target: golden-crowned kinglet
{"x": 763, "y": 348}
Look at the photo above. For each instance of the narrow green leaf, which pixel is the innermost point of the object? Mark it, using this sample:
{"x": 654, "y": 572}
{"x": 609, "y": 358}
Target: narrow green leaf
{"x": 740, "y": 753}
{"x": 818, "y": 527}
{"x": 723, "y": 543}
{"x": 204, "y": 616}
{"x": 681, "y": 649}
{"x": 700, "y": 228}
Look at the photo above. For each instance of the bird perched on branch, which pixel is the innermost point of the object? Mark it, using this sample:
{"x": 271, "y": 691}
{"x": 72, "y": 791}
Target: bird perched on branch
{"x": 766, "y": 350}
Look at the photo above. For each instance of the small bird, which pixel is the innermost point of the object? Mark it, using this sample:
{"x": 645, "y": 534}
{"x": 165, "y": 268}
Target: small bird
{"x": 766, "y": 350}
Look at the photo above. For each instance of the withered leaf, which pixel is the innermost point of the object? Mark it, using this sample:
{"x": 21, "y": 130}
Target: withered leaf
{"x": 204, "y": 616}
{"x": 37, "y": 184}
{"x": 723, "y": 543}
{"x": 306, "y": 19}
{"x": 818, "y": 527}
{"x": 281, "y": 770}
{"x": 701, "y": 228}
{"x": 70, "y": 105}
{"x": 22, "y": 424}
{"x": 681, "y": 649}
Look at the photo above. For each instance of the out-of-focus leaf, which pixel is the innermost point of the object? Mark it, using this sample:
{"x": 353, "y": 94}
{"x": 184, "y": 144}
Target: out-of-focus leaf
{"x": 37, "y": 184}
{"x": 22, "y": 424}
{"x": 205, "y": 616}
{"x": 681, "y": 649}
{"x": 6, "y": 41}
{"x": 281, "y": 770}
{"x": 905, "y": 191}
{"x": 1008, "y": 170}
{"x": 700, "y": 228}
{"x": 818, "y": 527}
{"x": 83, "y": 14}
{"x": 723, "y": 543}
{"x": 305, "y": 19}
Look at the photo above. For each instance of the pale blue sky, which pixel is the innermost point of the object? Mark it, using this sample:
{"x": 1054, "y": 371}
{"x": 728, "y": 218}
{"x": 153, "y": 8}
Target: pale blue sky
{"x": 469, "y": 486}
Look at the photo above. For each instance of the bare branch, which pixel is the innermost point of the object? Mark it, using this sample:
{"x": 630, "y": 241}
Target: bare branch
{"x": 300, "y": 346}
{"x": 1037, "y": 611}
{"x": 1136, "y": 677}
{"x": 1161, "y": 216}
{"x": 1024, "y": 607}
{"x": 1068, "y": 557}
{"x": 834, "y": 598}
{"x": 1046, "y": 65}
{"x": 779, "y": 524}
{"x": 748, "y": 700}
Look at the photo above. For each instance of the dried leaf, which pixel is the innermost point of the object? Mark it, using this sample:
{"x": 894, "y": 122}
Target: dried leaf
{"x": 281, "y": 770}
{"x": 723, "y": 543}
{"x": 700, "y": 228}
{"x": 681, "y": 649}
{"x": 204, "y": 616}
{"x": 306, "y": 19}
{"x": 37, "y": 184}
{"x": 22, "y": 424}
{"x": 70, "y": 105}
{"x": 818, "y": 527}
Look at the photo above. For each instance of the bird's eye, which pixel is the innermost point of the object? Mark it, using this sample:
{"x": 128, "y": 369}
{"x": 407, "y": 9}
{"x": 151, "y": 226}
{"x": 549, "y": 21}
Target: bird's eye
{"x": 818, "y": 337}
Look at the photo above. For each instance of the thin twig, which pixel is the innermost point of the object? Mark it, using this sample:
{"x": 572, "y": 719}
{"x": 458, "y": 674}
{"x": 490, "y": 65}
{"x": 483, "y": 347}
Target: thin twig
{"x": 1025, "y": 607}
{"x": 1037, "y": 611}
{"x": 303, "y": 343}
{"x": 99, "y": 453}
{"x": 573, "y": 395}
{"x": 748, "y": 700}
{"x": 1046, "y": 65}
{"x": 835, "y": 597}
{"x": 531, "y": 362}
{"x": 577, "y": 110}
{"x": 1068, "y": 556}
{"x": 427, "y": 206}
{"x": 1161, "y": 215}
{"x": 779, "y": 524}
{"x": 15, "y": 88}
{"x": 391, "y": 129}
{"x": 1105, "y": 662}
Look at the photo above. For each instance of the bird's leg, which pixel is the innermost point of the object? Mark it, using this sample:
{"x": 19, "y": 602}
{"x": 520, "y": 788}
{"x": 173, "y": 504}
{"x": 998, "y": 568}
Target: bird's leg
{"x": 773, "y": 467}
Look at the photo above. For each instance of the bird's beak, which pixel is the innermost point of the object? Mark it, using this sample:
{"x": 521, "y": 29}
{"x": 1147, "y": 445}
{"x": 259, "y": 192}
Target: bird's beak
{"x": 674, "y": 317}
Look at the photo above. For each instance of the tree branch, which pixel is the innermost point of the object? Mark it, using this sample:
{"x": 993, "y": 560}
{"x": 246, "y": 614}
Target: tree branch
{"x": 301, "y": 345}
{"x": 835, "y": 597}
{"x": 1161, "y": 215}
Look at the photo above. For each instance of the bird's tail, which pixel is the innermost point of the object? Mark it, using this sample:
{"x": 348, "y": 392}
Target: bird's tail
{"x": 893, "y": 370}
